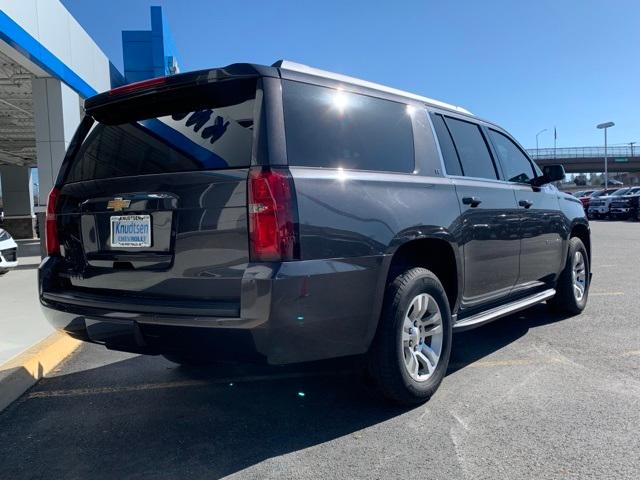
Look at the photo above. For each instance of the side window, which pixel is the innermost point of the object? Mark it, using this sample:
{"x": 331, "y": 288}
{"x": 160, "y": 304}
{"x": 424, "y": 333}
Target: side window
{"x": 516, "y": 166}
{"x": 449, "y": 155}
{"x": 332, "y": 128}
{"x": 472, "y": 149}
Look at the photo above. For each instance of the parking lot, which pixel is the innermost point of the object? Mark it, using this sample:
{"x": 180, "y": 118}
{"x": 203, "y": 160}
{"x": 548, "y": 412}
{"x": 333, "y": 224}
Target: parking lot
{"x": 530, "y": 396}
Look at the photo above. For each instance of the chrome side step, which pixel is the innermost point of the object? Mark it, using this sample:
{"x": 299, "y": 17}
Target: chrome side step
{"x": 502, "y": 311}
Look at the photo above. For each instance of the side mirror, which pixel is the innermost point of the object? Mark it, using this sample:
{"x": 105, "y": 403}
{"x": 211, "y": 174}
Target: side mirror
{"x": 550, "y": 173}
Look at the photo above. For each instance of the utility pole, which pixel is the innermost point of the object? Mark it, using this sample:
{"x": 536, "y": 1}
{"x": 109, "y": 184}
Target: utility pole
{"x": 537, "y": 135}
{"x": 631, "y": 144}
{"x": 605, "y": 126}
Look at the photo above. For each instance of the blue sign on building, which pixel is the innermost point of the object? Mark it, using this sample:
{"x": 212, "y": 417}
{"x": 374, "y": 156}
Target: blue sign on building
{"x": 149, "y": 53}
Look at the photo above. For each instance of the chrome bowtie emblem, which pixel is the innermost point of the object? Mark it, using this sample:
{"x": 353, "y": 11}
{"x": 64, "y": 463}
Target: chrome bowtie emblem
{"x": 118, "y": 204}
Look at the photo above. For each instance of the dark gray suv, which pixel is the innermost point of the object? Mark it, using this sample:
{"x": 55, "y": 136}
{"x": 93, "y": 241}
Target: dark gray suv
{"x": 286, "y": 214}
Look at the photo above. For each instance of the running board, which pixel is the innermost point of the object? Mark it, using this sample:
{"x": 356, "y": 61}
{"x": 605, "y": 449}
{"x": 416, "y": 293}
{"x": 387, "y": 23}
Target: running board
{"x": 502, "y": 311}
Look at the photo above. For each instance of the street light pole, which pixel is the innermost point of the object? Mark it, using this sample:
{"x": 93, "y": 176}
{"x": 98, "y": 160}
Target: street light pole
{"x": 537, "y": 135}
{"x": 605, "y": 126}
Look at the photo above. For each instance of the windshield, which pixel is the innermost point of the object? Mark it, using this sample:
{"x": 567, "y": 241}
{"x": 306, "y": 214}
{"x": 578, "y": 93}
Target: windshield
{"x": 622, "y": 191}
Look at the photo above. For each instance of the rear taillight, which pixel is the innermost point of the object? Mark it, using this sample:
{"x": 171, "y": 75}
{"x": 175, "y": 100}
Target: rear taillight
{"x": 53, "y": 243}
{"x": 272, "y": 215}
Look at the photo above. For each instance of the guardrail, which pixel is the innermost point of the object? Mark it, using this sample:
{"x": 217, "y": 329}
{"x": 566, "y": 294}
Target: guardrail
{"x": 583, "y": 152}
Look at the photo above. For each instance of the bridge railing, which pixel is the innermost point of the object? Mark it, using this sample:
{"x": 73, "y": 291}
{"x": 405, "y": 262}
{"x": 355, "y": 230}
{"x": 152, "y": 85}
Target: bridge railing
{"x": 583, "y": 152}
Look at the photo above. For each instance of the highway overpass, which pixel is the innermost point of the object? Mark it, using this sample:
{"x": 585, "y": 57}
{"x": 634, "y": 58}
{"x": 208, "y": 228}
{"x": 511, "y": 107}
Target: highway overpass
{"x": 589, "y": 159}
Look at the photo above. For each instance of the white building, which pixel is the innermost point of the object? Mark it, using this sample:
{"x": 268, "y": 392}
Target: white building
{"x": 48, "y": 66}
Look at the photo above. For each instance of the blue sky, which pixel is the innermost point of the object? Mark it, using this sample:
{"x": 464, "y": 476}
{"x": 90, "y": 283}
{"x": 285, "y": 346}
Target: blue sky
{"x": 525, "y": 65}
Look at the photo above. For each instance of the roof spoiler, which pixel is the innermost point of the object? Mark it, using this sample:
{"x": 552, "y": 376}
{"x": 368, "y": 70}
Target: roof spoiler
{"x": 159, "y": 84}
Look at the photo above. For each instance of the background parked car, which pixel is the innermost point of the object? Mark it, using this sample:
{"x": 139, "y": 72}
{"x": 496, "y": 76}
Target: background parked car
{"x": 625, "y": 206}
{"x": 583, "y": 193}
{"x": 586, "y": 199}
{"x": 599, "y": 205}
{"x": 8, "y": 252}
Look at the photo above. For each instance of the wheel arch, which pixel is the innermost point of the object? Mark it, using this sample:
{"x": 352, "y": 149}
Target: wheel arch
{"x": 581, "y": 230}
{"x": 435, "y": 253}
{"x": 434, "y": 249}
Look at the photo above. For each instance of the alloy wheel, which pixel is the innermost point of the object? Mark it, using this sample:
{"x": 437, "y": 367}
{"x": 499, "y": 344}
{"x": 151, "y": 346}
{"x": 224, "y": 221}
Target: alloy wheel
{"x": 422, "y": 337}
{"x": 579, "y": 276}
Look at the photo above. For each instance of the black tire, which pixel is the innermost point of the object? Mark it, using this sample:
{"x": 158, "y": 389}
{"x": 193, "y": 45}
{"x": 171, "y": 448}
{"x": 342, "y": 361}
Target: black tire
{"x": 3, "y": 271}
{"x": 386, "y": 360}
{"x": 565, "y": 300}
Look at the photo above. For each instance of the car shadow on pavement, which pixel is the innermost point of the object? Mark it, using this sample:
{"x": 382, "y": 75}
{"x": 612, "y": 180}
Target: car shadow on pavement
{"x": 144, "y": 417}
{"x": 25, "y": 266}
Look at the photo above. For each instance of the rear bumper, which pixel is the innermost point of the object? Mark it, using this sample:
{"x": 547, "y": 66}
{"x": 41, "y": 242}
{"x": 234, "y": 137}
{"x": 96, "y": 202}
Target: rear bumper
{"x": 289, "y": 312}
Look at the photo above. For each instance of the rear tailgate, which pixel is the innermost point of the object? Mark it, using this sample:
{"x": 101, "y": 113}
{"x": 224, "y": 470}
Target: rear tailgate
{"x": 152, "y": 211}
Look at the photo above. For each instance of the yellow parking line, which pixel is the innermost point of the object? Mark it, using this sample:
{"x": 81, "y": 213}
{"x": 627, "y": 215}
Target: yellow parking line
{"x": 509, "y": 363}
{"x": 177, "y": 384}
{"x": 74, "y": 392}
{"x": 633, "y": 353}
{"x": 529, "y": 361}
{"x": 262, "y": 378}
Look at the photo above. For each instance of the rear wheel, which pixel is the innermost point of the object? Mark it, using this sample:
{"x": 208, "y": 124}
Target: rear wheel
{"x": 572, "y": 289}
{"x": 410, "y": 354}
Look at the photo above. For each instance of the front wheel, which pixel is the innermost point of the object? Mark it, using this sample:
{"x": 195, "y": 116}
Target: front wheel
{"x": 573, "y": 284}
{"x": 410, "y": 354}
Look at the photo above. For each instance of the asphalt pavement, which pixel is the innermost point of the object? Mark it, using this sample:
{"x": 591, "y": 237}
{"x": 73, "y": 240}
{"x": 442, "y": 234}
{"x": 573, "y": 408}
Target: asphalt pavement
{"x": 530, "y": 396}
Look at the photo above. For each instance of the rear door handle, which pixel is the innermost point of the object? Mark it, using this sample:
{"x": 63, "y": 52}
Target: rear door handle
{"x": 471, "y": 201}
{"x": 525, "y": 203}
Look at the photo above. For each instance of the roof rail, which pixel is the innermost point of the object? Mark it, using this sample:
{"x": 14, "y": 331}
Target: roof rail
{"x": 299, "y": 67}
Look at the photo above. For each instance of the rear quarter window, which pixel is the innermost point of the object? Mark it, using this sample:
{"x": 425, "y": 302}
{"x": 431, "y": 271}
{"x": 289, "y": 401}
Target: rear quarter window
{"x": 331, "y": 128}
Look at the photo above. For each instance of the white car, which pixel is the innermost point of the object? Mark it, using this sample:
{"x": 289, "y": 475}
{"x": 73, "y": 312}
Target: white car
{"x": 8, "y": 252}
{"x": 599, "y": 206}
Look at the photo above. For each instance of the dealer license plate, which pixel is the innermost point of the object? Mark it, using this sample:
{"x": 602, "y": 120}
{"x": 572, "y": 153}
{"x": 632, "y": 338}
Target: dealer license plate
{"x": 131, "y": 231}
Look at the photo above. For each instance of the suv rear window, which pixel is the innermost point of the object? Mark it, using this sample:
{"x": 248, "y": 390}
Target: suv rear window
{"x": 215, "y": 133}
{"x": 331, "y": 128}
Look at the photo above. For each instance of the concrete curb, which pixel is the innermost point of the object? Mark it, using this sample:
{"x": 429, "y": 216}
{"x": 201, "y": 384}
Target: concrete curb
{"x": 20, "y": 373}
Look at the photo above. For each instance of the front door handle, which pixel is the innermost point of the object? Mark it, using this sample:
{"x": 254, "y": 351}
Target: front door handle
{"x": 525, "y": 203}
{"x": 471, "y": 201}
